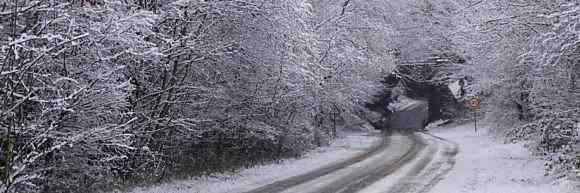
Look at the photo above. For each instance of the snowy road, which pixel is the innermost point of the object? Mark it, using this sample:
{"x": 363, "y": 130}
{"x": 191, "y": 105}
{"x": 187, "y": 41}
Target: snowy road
{"x": 405, "y": 161}
{"x": 409, "y": 161}
{"x": 357, "y": 172}
{"x": 422, "y": 173}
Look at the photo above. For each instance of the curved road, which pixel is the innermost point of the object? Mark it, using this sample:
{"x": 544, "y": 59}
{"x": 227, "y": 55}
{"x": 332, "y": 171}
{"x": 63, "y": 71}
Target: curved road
{"x": 402, "y": 161}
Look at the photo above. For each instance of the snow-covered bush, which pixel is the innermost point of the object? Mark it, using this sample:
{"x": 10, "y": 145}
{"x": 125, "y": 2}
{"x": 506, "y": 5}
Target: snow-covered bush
{"x": 65, "y": 119}
{"x": 522, "y": 59}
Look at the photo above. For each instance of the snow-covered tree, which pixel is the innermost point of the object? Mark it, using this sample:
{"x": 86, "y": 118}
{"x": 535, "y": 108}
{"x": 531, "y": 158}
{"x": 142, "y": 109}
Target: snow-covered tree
{"x": 521, "y": 58}
{"x": 95, "y": 93}
{"x": 65, "y": 116}
{"x": 354, "y": 50}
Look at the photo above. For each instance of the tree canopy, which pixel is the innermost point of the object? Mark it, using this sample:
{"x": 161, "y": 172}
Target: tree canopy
{"x": 97, "y": 93}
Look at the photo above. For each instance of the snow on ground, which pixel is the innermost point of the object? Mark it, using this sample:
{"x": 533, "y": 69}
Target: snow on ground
{"x": 435, "y": 124}
{"x": 485, "y": 164}
{"x": 259, "y": 176}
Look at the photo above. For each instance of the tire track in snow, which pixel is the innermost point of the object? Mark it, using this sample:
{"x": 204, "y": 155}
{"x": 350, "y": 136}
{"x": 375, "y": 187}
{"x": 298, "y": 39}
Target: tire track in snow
{"x": 439, "y": 159}
{"x": 299, "y": 179}
{"x": 450, "y": 161}
{"x": 367, "y": 179}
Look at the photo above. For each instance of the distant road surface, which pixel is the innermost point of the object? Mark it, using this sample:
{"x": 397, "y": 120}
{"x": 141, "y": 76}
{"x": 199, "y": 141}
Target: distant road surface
{"x": 403, "y": 161}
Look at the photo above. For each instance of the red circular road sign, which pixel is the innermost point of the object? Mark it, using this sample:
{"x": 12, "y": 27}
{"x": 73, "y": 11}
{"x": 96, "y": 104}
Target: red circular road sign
{"x": 474, "y": 103}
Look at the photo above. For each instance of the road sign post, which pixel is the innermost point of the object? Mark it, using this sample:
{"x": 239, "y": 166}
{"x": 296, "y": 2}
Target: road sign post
{"x": 475, "y": 118}
{"x": 474, "y": 103}
{"x": 334, "y": 125}
{"x": 335, "y": 111}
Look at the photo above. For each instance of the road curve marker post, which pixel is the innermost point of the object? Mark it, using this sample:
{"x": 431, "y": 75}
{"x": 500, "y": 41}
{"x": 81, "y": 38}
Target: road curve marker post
{"x": 474, "y": 103}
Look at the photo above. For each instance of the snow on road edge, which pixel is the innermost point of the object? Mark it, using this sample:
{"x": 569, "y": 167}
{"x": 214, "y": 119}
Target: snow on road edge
{"x": 258, "y": 176}
{"x": 486, "y": 164}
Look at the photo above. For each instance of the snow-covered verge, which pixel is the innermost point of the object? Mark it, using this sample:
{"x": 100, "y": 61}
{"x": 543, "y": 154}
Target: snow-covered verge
{"x": 554, "y": 138}
{"x": 435, "y": 124}
{"x": 258, "y": 176}
{"x": 487, "y": 164}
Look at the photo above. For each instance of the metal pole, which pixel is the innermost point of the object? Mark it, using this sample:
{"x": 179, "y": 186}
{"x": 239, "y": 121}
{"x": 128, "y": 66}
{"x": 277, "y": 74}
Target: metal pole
{"x": 475, "y": 116}
{"x": 334, "y": 124}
